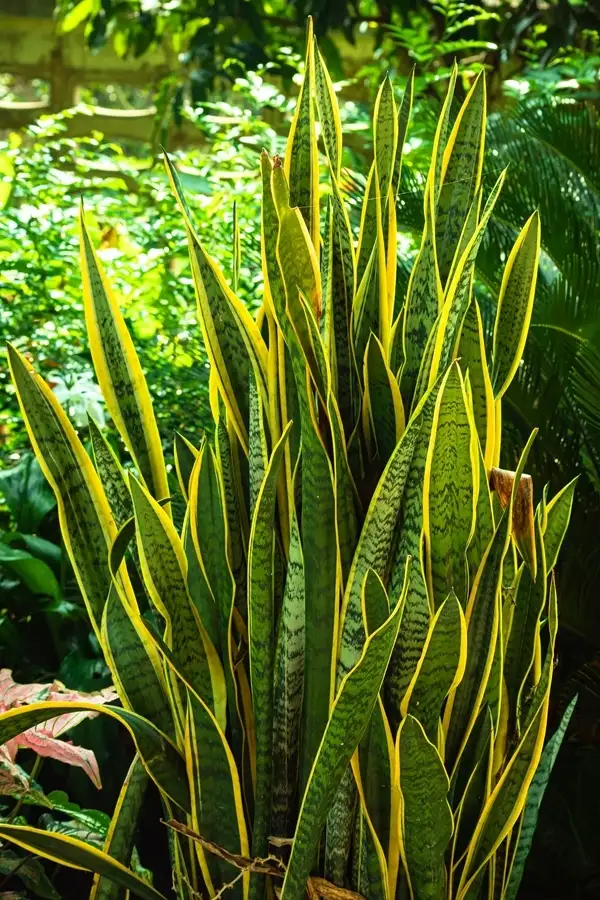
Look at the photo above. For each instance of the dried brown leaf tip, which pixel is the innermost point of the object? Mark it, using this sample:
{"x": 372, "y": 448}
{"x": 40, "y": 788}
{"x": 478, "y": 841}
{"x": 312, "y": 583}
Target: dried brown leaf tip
{"x": 502, "y": 481}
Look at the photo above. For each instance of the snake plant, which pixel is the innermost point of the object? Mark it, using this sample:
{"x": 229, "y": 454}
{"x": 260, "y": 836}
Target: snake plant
{"x": 335, "y": 666}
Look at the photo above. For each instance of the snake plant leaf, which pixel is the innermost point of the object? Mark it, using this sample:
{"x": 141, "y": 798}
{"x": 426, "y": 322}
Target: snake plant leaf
{"x": 369, "y": 874}
{"x": 121, "y": 833}
{"x": 474, "y": 363}
{"x": 449, "y": 491}
{"x": 164, "y": 567}
{"x": 232, "y": 340}
{"x": 209, "y": 532}
{"x": 295, "y": 251}
{"x": 457, "y": 295}
{"x": 385, "y": 138}
{"x": 558, "y": 513}
{"x": 136, "y": 663}
{"x": 217, "y": 809}
{"x": 185, "y": 456}
{"x": 515, "y": 305}
{"x": 376, "y": 773}
{"x": 440, "y": 668}
{"x": 461, "y": 174}
{"x": 529, "y": 603}
{"x": 111, "y": 475}
{"x": 508, "y": 798}
{"x": 383, "y": 413}
{"x": 348, "y": 505}
{"x": 119, "y": 372}
{"x": 86, "y": 522}
{"x": 198, "y": 587}
{"x": 339, "y": 833}
{"x": 374, "y": 546}
{"x": 426, "y": 818}
{"x": 350, "y": 715}
{"x": 483, "y": 618}
{"x": 472, "y": 786}
{"x": 258, "y": 451}
{"x": 322, "y": 586}
{"x": 261, "y": 615}
{"x": 287, "y": 691}
{"x": 415, "y": 622}
{"x": 374, "y": 610}
{"x": 423, "y": 299}
{"x": 227, "y": 450}
{"x": 367, "y": 235}
{"x": 329, "y": 114}
{"x": 159, "y": 755}
{"x": 302, "y": 156}
{"x": 69, "y": 851}
{"x": 535, "y": 795}
{"x": 440, "y": 141}
{"x": 343, "y": 287}
{"x": 404, "y": 111}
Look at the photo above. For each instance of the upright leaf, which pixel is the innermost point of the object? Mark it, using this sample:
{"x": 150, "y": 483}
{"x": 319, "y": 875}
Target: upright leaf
{"x": 119, "y": 372}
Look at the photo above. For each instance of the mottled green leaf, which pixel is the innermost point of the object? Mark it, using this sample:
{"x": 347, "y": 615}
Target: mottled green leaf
{"x": 557, "y": 515}
{"x": 515, "y": 305}
{"x": 349, "y": 718}
{"x": 426, "y": 818}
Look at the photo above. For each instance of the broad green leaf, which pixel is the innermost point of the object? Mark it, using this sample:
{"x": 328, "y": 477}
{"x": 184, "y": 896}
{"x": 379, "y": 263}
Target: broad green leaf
{"x": 185, "y": 455}
{"x": 440, "y": 141}
{"x": 461, "y": 174}
{"x": 261, "y": 616}
{"x": 287, "y": 691}
{"x": 535, "y": 795}
{"x": 161, "y": 759}
{"x": 376, "y": 764}
{"x": 329, "y": 114}
{"x": 34, "y": 573}
{"x": 350, "y": 715}
{"x": 440, "y": 668}
{"x": 135, "y": 662}
{"x": 302, "y": 157}
{"x": 227, "y": 450}
{"x": 119, "y": 372}
{"x": 484, "y": 519}
{"x": 164, "y": 567}
{"x": 68, "y": 851}
{"x": 30, "y": 871}
{"x": 258, "y": 451}
{"x": 217, "y": 808}
{"x": 426, "y": 818}
{"x": 121, "y": 833}
{"x": 383, "y": 414}
{"x": 557, "y": 515}
{"x": 515, "y": 305}
{"x": 86, "y": 522}
{"x": 508, "y": 798}
{"x": 449, "y": 497}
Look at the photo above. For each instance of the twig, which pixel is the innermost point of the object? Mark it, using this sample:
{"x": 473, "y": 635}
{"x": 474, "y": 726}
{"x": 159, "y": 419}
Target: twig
{"x": 316, "y": 887}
